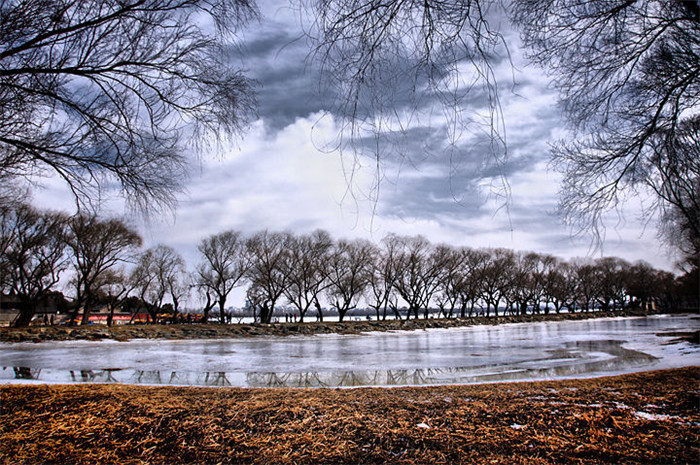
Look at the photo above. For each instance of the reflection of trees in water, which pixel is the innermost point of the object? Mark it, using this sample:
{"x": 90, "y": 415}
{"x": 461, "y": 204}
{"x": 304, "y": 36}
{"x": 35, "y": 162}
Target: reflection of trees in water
{"x": 82, "y": 376}
{"x": 575, "y": 359}
{"x": 94, "y": 376}
{"x": 304, "y": 379}
{"x": 109, "y": 376}
{"x": 147, "y": 377}
{"x": 217, "y": 378}
{"x": 26, "y": 373}
{"x": 343, "y": 378}
{"x": 352, "y": 378}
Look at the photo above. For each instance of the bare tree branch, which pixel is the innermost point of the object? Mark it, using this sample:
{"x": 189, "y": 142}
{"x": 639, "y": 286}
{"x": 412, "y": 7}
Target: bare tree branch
{"x": 106, "y": 91}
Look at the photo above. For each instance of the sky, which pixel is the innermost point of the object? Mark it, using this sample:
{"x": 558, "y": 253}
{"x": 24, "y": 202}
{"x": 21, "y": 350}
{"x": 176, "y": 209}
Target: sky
{"x": 283, "y": 174}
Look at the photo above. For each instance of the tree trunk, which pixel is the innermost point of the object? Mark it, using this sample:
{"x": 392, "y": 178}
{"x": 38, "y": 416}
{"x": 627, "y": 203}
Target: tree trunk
{"x": 302, "y": 312}
{"x": 110, "y": 317}
{"x": 153, "y": 312}
{"x": 86, "y": 312}
{"x": 25, "y": 316}
{"x": 222, "y": 315}
{"x": 318, "y": 310}
{"x": 207, "y": 308}
{"x": 266, "y": 312}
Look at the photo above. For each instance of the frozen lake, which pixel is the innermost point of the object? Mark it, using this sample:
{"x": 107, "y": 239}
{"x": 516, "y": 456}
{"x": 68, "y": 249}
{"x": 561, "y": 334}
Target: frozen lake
{"x": 513, "y": 352}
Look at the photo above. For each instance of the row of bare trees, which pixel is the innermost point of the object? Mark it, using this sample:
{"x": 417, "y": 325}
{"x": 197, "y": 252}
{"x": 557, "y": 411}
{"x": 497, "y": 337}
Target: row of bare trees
{"x": 401, "y": 275}
{"x": 409, "y": 272}
{"x": 38, "y": 248}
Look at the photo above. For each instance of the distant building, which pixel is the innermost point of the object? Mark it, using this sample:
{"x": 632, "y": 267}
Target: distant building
{"x": 50, "y": 308}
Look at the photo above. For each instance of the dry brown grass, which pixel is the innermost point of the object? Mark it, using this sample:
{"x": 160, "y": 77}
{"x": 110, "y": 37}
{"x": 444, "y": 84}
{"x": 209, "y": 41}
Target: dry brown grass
{"x": 578, "y": 421}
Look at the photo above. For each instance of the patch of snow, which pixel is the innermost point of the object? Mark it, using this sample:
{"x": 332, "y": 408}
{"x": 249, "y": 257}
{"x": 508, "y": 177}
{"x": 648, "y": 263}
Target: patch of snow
{"x": 656, "y": 416}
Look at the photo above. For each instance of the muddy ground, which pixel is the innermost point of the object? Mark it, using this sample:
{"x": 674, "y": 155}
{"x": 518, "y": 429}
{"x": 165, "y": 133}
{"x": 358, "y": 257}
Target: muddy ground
{"x": 645, "y": 418}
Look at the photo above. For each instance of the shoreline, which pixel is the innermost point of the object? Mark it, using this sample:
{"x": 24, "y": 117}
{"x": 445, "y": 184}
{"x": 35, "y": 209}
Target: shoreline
{"x": 640, "y": 418}
{"x": 219, "y": 331}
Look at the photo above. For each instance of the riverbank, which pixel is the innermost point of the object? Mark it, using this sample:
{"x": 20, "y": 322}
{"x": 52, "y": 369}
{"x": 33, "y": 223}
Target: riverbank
{"x": 641, "y": 418}
{"x": 218, "y": 331}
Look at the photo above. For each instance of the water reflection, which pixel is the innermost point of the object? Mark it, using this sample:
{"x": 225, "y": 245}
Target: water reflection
{"x": 580, "y": 358}
{"x": 574, "y": 359}
{"x": 459, "y": 355}
{"x": 26, "y": 373}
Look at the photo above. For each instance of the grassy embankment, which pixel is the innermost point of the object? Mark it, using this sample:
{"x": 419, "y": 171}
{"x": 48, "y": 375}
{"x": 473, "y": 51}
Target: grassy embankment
{"x": 643, "y": 418}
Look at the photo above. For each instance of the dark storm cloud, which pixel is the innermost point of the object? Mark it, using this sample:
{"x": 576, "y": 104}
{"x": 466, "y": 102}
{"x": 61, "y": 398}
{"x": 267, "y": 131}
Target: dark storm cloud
{"x": 294, "y": 84}
{"x": 287, "y": 85}
{"x": 429, "y": 179}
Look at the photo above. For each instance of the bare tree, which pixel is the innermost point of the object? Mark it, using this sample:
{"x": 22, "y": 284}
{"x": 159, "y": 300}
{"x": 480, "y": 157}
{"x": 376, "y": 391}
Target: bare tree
{"x": 380, "y": 292}
{"x": 96, "y": 246}
{"x": 613, "y": 279}
{"x": 529, "y": 280}
{"x": 206, "y": 293}
{"x": 113, "y": 291}
{"x": 269, "y": 255}
{"x": 225, "y": 262}
{"x": 676, "y": 165}
{"x": 416, "y": 271}
{"x": 497, "y": 278}
{"x": 586, "y": 280}
{"x": 629, "y": 78}
{"x": 179, "y": 286}
{"x": 32, "y": 256}
{"x": 349, "y": 271}
{"x": 642, "y": 284}
{"x": 555, "y": 285}
{"x": 471, "y": 279}
{"x": 103, "y": 91}
{"x": 158, "y": 270}
{"x": 307, "y": 270}
{"x": 449, "y": 279}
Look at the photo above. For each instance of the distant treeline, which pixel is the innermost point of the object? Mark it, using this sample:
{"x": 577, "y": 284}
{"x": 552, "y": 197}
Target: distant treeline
{"x": 402, "y": 276}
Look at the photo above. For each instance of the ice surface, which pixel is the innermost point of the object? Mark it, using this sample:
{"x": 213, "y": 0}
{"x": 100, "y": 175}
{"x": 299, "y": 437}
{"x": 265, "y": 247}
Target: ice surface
{"x": 514, "y": 352}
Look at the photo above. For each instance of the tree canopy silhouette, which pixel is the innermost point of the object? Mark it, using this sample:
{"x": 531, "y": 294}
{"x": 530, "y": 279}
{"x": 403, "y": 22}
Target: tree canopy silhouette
{"x": 628, "y": 73}
{"x": 105, "y": 92}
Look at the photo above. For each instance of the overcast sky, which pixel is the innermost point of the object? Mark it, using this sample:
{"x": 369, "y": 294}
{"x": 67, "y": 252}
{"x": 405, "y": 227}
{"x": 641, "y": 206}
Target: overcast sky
{"x": 282, "y": 176}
